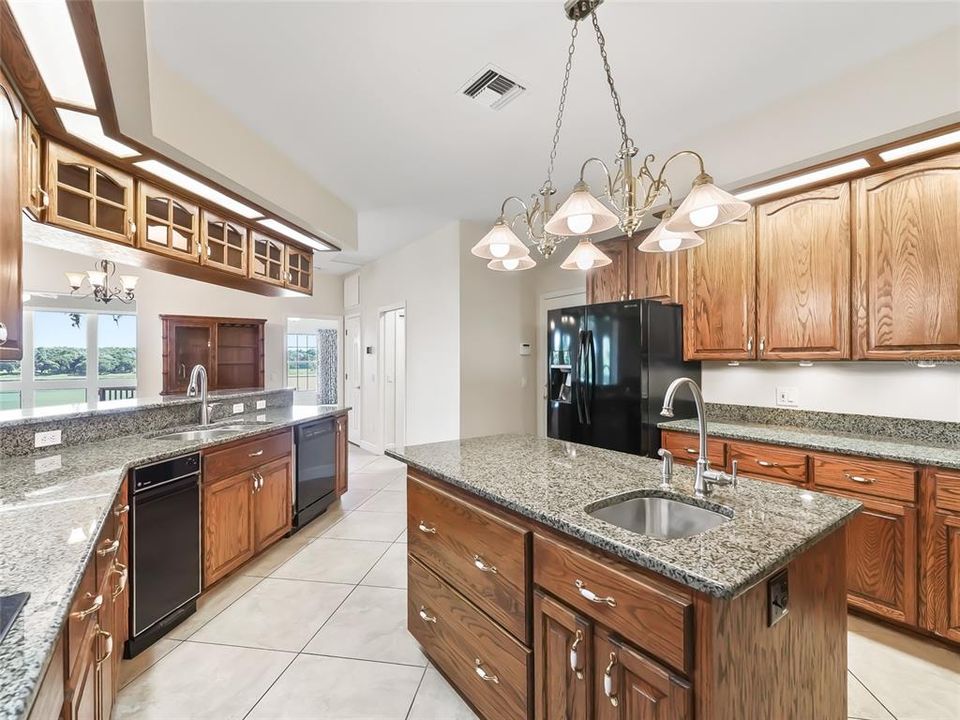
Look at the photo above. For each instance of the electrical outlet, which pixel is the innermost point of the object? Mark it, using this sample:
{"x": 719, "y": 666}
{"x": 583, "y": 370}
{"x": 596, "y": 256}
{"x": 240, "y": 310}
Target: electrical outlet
{"x": 47, "y": 464}
{"x": 778, "y": 597}
{"x": 787, "y": 396}
{"x": 237, "y": 408}
{"x": 261, "y": 404}
{"x": 261, "y": 418}
{"x": 46, "y": 439}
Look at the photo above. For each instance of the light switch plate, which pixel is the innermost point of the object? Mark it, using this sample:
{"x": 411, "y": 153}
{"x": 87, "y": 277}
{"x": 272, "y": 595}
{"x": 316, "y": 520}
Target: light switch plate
{"x": 237, "y": 408}
{"x": 261, "y": 404}
{"x": 46, "y": 439}
{"x": 788, "y": 396}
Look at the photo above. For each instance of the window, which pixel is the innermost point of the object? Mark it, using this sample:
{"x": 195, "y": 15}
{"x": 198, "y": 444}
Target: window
{"x": 312, "y": 359}
{"x": 302, "y": 362}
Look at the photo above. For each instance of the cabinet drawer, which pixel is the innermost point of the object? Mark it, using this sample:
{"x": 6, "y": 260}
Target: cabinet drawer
{"x": 231, "y": 460}
{"x": 483, "y": 556}
{"x": 457, "y": 636}
{"x": 83, "y": 617}
{"x": 652, "y": 616}
{"x": 686, "y": 448}
{"x": 948, "y": 491}
{"x": 769, "y": 462}
{"x": 868, "y": 477}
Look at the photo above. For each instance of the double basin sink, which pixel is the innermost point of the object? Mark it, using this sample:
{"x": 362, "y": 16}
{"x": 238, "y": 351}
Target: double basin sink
{"x": 207, "y": 432}
{"x": 658, "y": 517}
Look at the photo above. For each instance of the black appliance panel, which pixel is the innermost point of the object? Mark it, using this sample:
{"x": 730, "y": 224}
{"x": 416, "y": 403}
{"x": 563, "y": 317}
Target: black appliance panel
{"x": 565, "y": 342}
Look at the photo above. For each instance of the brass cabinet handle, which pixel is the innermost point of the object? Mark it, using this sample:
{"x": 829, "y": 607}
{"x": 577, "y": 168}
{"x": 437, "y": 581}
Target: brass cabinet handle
{"x": 108, "y": 639}
{"x": 121, "y": 510}
{"x": 44, "y": 198}
{"x": 110, "y": 549}
{"x": 123, "y": 571}
{"x": 763, "y": 345}
{"x": 750, "y": 344}
{"x": 426, "y": 616}
{"x": 426, "y": 528}
{"x": 590, "y": 595}
{"x": 484, "y": 675}
{"x": 860, "y": 479}
{"x": 691, "y": 451}
{"x": 253, "y": 477}
{"x": 767, "y": 463}
{"x": 575, "y": 655}
{"x": 608, "y": 681}
{"x": 258, "y": 453}
{"x": 133, "y": 228}
{"x": 482, "y": 565}
{"x": 94, "y": 607}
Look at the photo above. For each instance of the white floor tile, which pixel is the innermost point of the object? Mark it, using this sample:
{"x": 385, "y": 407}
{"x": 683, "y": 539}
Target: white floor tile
{"x": 322, "y": 688}
{"x": 130, "y": 669}
{"x": 861, "y": 704}
{"x": 360, "y": 525}
{"x": 332, "y": 560}
{"x": 275, "y": 556}
{"x": 371, "y": 480}
{"x": 397, "y": 485}
{"x": 316, "y": 527}
{"x": 390, "y": 570}
{"x": 212, "y": 603}
{"x": 436, "y": 700}
{"x": 386, "y": 501}
{"x": 275, "y": 615}
{"x": 384, "y": 464}
{"x": 354, "y": 498}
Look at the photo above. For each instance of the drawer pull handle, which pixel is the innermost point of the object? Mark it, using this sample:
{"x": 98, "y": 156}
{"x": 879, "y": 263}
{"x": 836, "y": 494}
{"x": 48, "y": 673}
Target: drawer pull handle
{"x": 484, "y": 675}
{"x": 121, "y": 510}
{"x": 691, "y": 451}
{"x": 766, "y": 463}
{"x": 108, "y": 639}
{"x": 593, "y": 597}
{"x": 94, "y": 607}
{"x": 426, "y": 528}
{"x": 110, "y": 549}
{"x": 608, "y": 681}
{"x": 482, "y": 566}
{"x": 861, "y": 479}
{"x": 575, "y": 655}
{"x": 258, "y": 453}
{"x": 426, "y": 616}
{"x": 123, "y": 572}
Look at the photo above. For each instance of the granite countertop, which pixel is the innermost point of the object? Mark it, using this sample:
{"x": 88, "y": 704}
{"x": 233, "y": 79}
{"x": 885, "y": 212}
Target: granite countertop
{"x": 49, "y": 522}
{"x": 873, "y": 446}
{"x": 552, "y": 482}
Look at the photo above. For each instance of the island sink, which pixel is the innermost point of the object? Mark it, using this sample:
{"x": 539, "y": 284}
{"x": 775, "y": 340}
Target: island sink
{"x": 659, "y": 517}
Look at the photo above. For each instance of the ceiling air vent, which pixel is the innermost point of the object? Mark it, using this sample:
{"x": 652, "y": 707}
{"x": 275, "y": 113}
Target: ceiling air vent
{"x": 492, "y": 88}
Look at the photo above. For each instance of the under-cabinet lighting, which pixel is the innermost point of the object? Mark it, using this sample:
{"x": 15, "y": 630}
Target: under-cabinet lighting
{"x": 48, "y": 31}
{"x": 180, "y": 179}
{"x": 804, "y": 179}
{"x": 916, "y": 148}
{"x": 289, "y": 232}
{"x": 87, "y": 127}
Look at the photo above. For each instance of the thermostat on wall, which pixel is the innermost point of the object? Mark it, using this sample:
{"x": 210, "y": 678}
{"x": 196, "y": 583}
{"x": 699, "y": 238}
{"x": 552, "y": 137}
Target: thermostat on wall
{"x": 524, "y": 348}
{"x": 369, "y": 349}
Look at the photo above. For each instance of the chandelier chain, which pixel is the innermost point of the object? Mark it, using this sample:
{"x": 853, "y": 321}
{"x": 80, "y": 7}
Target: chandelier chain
{"x": 628, "y": 146}
{"x": 563, "y": 101}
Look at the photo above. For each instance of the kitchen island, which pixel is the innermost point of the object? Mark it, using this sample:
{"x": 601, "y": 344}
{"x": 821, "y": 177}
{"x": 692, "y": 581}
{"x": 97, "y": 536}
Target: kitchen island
{"x": 534, "y": 607}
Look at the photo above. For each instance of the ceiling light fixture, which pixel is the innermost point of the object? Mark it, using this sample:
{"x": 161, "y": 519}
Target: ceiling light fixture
{"x": 183, "y": 180}
{"x": 100, "y": 279}
{"x": 916, "y": 148}
{"x": 630, "y": 194}
{"x": 804, "y": 179}
{"x": 289, "y": 232}
{"x": 662, "y": 239}
{"x": 87, "y": 127}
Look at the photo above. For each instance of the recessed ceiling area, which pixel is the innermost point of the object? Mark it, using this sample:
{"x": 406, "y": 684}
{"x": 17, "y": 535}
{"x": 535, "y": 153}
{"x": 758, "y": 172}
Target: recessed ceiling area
{"x": 364, "y": 98}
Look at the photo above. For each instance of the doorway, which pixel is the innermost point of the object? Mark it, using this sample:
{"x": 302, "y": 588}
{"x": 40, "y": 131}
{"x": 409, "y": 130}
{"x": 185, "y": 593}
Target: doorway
{"x": 353, "y": 375}
{"x": 393, "y": 392}
{"x": 549, "y": 301}
{"x": 312, "y": 361}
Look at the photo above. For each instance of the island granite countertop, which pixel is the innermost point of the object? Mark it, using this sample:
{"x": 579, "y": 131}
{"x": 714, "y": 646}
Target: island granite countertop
{"x": 551, "y": 482}
{"x": 49, "y": 522}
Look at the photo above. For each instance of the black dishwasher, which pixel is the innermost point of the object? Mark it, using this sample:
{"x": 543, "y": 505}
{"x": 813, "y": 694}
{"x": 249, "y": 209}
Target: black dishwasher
{"x": 315, "y": 471}
{"x": 164, "y": 548}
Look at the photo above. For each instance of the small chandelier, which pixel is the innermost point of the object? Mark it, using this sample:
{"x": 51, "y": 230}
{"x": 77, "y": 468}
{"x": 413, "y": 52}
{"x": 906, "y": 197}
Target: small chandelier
{"x": 630, "y": 194}
{"x": 100, "y": 280}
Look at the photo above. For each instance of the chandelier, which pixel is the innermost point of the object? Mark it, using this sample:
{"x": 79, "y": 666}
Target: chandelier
{"x": 100, "y": 280}
{"x": 631, "y": 194}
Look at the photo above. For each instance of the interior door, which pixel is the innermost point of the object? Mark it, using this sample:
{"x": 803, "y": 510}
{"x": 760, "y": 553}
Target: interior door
{"x": 353, "y": 348}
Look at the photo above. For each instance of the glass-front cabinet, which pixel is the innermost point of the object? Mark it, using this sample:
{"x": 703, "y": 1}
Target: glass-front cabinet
{"x": 167, "y": 224}
{"x": 267, "y": 258}
{"x": 299, "y": 274}
{"x": 33, "y": 198}
{"x": 224, "y": 243}
{"x": 88, "y": 196}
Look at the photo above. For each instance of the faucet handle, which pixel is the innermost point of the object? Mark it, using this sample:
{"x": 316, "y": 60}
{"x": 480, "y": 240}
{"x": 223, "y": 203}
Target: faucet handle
{"x": 733, "y": 472}
{"x": 666, "y": 468}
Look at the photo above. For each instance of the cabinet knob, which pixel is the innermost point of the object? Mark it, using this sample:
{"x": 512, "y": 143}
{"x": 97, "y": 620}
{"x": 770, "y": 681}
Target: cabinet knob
{"x": 750, "y": 344}
{"x": 44, "y": 199}
{"x": 763, "y": 343}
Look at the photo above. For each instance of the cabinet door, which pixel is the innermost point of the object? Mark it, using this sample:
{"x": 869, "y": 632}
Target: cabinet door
{"x": 611, "y": 282}
{"x": 227, "y": 525}
{"x": 654, "y": 275}
{"x": 272, "y": 509}
{"x": 299, "y": 269}
{"x": 225, "y": 244}
{"x": 186, "y": 343}
{"x": 631, "y": 686}
{"x": 166, "y": 224}
{"x": 803, "y": 276}
{"x": 84, "y": 700}
{"x": 343, "y": 452}
{"x": 882, "y": 560}
{"x": 907, "y": 262}
{"x": 32, "y": 196}
{"x": 89, "y": 197}
{"x": 106, "y": 646}
{"x": 11, "y": 242}
{"x": 267, "y": 258}
{"x": 719, "y": 314}
{"x": 563, "y": 661}
{"x": 940, "y": 553}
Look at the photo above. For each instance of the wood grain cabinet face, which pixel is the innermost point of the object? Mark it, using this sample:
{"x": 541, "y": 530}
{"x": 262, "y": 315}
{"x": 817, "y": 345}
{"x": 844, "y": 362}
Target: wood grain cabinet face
{"x": 654, "y": 276}
{"x": 186, "y": 342}
{"x": 940, "y": 554}
{"x": 166, "y": 224}
{"x": 32, "y": 195}
{"x": 563, "y": 661}
{"x": 272, "y": 506}
{"x": 907, "y": 262}
{"x": 299, "y": 269}
{"x": 267, "y": 258}
{"x": 89, "y": 197}
{"x": 11, "y": 244}
{"x": 720, "y": 306}
{"x": 224, "y": 243}
{"x": 343, "y": 450}
{"x": 803, "y": 276}
{"x": 610, "y": 283}
{"x": 228, "y": 539}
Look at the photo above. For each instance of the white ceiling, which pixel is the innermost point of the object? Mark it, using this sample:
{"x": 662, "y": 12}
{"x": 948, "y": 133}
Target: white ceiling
{"x": 363, "y": 96}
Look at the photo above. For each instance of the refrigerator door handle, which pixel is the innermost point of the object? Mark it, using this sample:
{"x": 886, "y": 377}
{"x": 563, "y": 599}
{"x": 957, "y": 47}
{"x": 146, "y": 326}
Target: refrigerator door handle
{"x": 590, "y": 374}
{"x": 578, "y": 378}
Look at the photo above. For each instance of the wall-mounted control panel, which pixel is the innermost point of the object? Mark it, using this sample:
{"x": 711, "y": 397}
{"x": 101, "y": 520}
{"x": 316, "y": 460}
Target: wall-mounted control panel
{"x": 778, "y": 597}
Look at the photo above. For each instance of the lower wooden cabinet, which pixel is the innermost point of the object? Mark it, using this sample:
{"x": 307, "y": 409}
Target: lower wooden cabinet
{"x": 343, "y": 450}
{"x": 272, "y": 503}
{"x": 562, "y": 656}
{"x": 940, "y": 554}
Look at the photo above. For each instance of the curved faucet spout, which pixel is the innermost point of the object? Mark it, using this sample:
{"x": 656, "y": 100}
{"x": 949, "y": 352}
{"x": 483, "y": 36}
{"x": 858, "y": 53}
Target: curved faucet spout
{"x": 703, "y": 465}
{"x": 198, "y": 384}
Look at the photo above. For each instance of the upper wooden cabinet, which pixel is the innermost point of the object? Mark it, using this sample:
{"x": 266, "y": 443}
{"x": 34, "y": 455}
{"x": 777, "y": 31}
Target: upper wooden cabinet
{"x": 267, "y": 258}
{"x": 299, "y": 269}
{"x": 11, "y": 244}
{"x": 610, "y": 283}
{"x": 32, "y": 195}
{"x": 231, "y": 350}
{"x": 166, "y": 224}
{"x": 720, "y": 303}
{"x": 803, "y": 276}
{"x": 907, "y": 262}
{"x": 89, "y": 196}
{"x": 634, "y": 275}
{"x": 224, "y": 243}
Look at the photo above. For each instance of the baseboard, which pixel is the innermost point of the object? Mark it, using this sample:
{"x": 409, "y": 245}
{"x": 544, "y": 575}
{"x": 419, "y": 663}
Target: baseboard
{"x": 370, "y": 447}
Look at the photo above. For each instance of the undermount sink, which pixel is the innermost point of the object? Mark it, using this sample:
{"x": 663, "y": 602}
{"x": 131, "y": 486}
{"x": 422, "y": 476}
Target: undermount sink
{"x": 206, "y": 434}
{"x": 659, "y": 517}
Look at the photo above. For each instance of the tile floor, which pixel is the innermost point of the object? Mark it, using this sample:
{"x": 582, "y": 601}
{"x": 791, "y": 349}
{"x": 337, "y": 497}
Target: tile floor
{"x": 315, "y": 628}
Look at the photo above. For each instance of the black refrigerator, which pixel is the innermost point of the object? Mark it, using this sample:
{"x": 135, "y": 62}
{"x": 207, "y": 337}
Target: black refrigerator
{"x": 609, "y": 367}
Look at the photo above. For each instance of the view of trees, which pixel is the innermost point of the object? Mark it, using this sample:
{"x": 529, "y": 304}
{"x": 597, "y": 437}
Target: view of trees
{"x": 59, "y": 361}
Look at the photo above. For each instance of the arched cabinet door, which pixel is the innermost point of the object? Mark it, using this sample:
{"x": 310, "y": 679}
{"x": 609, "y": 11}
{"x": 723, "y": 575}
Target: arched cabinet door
{"x": 267, "y": 258}
{"x": 89, "y": 197}
{"x": 299, "y": 265}
{"x": 166, "y": 224}
{"x": 11, "y": 257}
{"x": 224, "y": 244}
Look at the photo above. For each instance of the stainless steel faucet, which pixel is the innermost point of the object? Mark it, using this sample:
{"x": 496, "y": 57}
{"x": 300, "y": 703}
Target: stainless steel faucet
{"x": 705, "y": 477}
{"x": 198, "y": 383}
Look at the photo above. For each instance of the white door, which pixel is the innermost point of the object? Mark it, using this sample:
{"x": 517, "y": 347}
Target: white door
{"x": 352, "y": 373}
{"x": 393, "y": 373}
{"x": 548, "y": 302}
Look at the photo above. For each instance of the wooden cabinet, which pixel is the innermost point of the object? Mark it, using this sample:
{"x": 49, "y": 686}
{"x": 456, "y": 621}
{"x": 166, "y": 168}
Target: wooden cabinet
{"x": 769, "y": 462}
{"x": 224, "y": 243}
{"x": 89, "y": 196}
{"x": 634, "y": 275}
{"x": 610, "y": 283}
{"x": 11, "y": 236}
{"x": 228, "y": 540}
{"x": 720, "y": 302}
{"x": 267, "y": 258}
{"x": 563, "y": 661}
{"x": 299, "y": 269}
{"x": 686, "y": 448}
{"x": 231, "y": 349}
{"x": 803, "y": 276}
{"x": 343, "y": 452}
{"x": 907, "y": 262}
{"x": 272, "y": 507}
{"x": 186, "y": 341}
{"x": 33, "y": 197}
{"x": 167, "y": 224}
{"x": 940, "y": 554}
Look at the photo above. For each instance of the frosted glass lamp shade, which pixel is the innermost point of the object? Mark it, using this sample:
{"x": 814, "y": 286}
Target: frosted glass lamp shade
{"x": 706, "y": 206}
{"x": 511, "y": 264}
{"x": 129, "y": 282}
{"x": 585, "y": 256}
{"x": 75, "y": 279}
{"x": 581, "y": 214}
{"x": 663, "y": 240}
{"x": 97, "y": 278}
{"x": 501, "y": 243}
